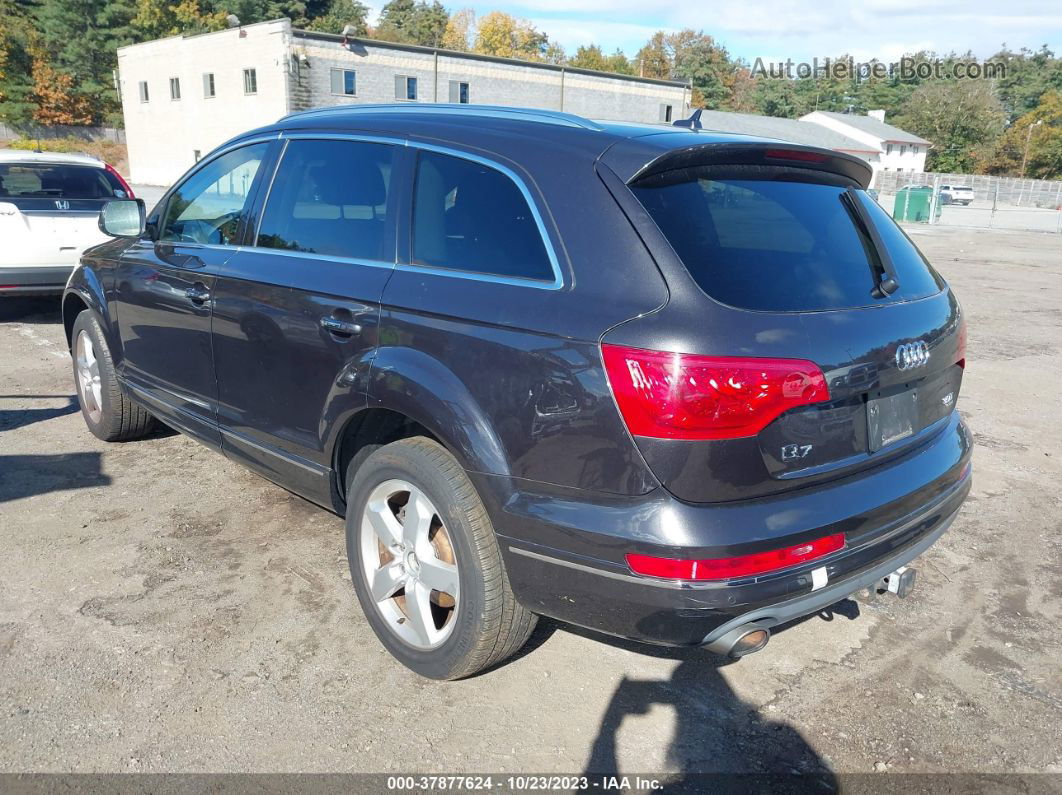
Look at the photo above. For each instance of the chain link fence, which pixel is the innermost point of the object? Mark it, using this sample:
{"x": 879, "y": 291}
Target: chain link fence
{"x": 999, "y": 202}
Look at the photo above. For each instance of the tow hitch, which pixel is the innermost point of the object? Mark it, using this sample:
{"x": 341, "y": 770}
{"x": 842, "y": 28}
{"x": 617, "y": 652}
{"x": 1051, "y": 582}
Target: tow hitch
{"x": 901, "y": 582}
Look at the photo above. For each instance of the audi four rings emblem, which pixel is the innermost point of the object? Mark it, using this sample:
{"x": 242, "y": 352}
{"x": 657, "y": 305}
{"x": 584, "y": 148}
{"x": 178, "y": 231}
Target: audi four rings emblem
{"x": 912, "y": 355}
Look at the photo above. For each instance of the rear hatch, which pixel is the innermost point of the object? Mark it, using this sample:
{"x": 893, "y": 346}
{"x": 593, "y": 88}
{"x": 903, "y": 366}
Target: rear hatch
{"x": 807, "y": 338}
{"x": 49, "y": 211}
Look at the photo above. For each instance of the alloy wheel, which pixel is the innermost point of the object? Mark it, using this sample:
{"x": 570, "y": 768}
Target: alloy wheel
{"x": 409, "y": 564}
{"x": 89, "y": 387}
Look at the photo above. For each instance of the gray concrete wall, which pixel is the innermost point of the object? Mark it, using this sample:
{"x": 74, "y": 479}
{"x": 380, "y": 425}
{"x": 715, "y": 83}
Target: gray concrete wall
{"x": 294, "y": 73}
{"x": 491, "y": 82}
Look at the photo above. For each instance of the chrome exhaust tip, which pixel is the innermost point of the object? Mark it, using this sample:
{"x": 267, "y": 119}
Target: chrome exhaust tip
{"x": 740, "y": 641}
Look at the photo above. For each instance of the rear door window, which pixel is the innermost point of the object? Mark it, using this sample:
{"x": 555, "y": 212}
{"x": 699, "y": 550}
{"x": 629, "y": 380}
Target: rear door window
{"x": 780, "y": 245}
{"x": 470, "y": 217}
{"x": 330, "y": 198}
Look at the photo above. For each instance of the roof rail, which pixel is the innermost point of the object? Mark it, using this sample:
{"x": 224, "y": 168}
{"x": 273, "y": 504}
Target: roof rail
{"x": 496, "y": 111}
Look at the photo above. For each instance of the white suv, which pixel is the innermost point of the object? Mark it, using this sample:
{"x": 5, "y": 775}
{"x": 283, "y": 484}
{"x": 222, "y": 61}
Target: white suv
{"x": 49, "y": 209}
{"x": 956, "y": 194}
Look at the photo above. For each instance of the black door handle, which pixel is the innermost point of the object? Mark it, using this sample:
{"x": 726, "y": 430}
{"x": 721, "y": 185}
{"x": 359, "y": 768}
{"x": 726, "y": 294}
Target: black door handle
{"x": 339, "y": 327}
{"x": 198, "y": 293}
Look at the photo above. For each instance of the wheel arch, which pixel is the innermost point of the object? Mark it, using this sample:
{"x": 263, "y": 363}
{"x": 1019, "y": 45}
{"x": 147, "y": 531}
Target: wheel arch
{"x": 85, "y": 291}
{"x": 413, "y": 394}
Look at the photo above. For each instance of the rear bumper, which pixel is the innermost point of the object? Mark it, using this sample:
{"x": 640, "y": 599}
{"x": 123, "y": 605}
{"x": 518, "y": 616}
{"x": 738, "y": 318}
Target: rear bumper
{"x": 34, "y": 280}
{"x": 565, "y": 559}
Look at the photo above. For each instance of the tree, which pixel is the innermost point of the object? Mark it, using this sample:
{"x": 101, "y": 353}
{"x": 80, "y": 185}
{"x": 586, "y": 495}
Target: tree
{"x": 776, "y": 97}
{"x": 56, "y": 100}
{"x": 79, "y": 38}
{"x": 958, "y": 116}
{"x": 619, "y": 63}
{"x": 413, "y": 22}
{"x": 554, "y": 53}
{"x": 654, "y": 59}
{"x": 588, "y": 57}
{"x": 339, "y": 15}
{"x": 16, "y": 64}
{"x": 459, "y": 30}
{"x": 1029, "y": 75}
{"x": 693, "y": 56}
{"x": 1041, "y": 130}
{"x": 155, "y": 19}
{"x": 742, "y": 97}
{"x": 697, "y": 57}
{"x": 504, "y": 35}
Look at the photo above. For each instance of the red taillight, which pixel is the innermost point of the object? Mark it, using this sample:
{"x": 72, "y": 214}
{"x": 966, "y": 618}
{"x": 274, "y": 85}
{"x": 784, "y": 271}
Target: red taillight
{"x": 796, "y": 154}
{"x": 121, "y": 180}
{"x": 741, "y": 566}
{"x": 682, "y": 396}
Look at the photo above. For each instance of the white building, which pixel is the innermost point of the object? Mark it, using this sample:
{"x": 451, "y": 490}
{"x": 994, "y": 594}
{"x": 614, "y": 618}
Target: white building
{"x": 898, "y": 149}
{"x": 182, "y": 96}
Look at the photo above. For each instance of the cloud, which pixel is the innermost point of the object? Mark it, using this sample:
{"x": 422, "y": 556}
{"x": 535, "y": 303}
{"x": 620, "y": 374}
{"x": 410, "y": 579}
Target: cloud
{"x": 883, "y": 29}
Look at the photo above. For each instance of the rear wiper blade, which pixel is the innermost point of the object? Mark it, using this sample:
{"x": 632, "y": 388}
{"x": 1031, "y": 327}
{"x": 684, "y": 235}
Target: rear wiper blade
{"x": 887, "y": 283}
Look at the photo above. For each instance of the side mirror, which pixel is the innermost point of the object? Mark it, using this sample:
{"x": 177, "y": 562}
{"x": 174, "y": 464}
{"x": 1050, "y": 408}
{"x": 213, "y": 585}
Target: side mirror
{"x": 123, "y": 218}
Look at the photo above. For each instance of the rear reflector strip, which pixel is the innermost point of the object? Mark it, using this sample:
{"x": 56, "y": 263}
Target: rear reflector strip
{"x": 741, "y": 566}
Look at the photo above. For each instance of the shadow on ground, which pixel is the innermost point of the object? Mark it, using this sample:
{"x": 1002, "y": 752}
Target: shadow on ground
{"x": 719, "y": 742}
{"x": 10, "y": 419}
{"x": 44, "y": 309}
{"x": 29, "y": 475}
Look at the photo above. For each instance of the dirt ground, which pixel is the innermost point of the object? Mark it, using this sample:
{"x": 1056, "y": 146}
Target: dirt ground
{"x": 162, "y": 609}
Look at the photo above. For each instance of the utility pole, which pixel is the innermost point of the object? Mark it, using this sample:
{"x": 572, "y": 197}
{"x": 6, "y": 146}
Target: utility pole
{"x": 1028, "y": 140}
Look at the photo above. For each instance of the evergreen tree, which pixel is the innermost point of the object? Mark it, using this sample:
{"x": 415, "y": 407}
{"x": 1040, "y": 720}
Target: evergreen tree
{"x": 16, "y": 63}
{"x": 79, "y": 38}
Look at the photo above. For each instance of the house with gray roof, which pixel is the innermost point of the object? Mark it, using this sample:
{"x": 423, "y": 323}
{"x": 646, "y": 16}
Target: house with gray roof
{"x": 898, "y": 150}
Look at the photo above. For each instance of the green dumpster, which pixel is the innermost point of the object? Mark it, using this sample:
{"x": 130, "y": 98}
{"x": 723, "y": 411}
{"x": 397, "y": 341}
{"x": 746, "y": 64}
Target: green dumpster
{"x": 912, "y": 204}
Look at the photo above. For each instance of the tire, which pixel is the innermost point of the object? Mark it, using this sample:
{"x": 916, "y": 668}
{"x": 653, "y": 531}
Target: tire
{"x": 108, "y": 411}
{"x": 471, "y": 621}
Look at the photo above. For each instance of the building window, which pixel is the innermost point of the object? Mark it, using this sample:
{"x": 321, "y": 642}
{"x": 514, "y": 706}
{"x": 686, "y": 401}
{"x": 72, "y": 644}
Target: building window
{"x": 888, "y": 149}
{"x": 458, "y": 92}
{"x": 406, "y": 88}
{"x": 208, "y": 85}
{"x": 175, "y": 88}
{"x": 666, "y": 112}
{"x": 250, "y": 81}
{"x": 914, "y": 150}
{"x": 143, "y": 91}
{"x": 903, "y": 150}
{"x": 344, "y": 82}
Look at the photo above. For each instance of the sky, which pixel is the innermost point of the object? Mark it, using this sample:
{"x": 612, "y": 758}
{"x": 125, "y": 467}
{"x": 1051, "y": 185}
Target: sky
{"x": 775, "y": 30}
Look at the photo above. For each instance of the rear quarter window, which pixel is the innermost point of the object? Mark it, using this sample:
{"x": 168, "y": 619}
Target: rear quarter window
{"x": 780, "y": 245}
{"x": 470, "y": 217}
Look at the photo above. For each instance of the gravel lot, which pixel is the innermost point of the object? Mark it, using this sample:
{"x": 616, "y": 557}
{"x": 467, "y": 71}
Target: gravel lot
{"x": 162, "y": 609}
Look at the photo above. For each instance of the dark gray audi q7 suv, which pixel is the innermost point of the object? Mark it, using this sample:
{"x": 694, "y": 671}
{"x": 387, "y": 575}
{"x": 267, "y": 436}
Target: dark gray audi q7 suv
{"x": 667, "y": 384}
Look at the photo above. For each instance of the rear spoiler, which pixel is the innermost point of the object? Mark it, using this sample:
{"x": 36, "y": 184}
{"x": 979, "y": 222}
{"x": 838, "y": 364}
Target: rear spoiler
{"x": 761, "y": 153}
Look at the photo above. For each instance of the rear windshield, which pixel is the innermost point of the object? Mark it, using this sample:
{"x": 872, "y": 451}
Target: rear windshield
{"x": 781, "y": 245}
{"x": 57, "y": 181}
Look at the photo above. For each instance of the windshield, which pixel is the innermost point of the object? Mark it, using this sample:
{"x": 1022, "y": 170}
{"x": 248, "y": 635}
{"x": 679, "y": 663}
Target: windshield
{"x": 781, "y": 245}
{"x": 57, "y": 181}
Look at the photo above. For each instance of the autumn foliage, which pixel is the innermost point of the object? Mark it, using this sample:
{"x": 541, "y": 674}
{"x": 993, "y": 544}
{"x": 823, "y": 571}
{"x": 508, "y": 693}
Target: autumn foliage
{"x": 56, "y": 100}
